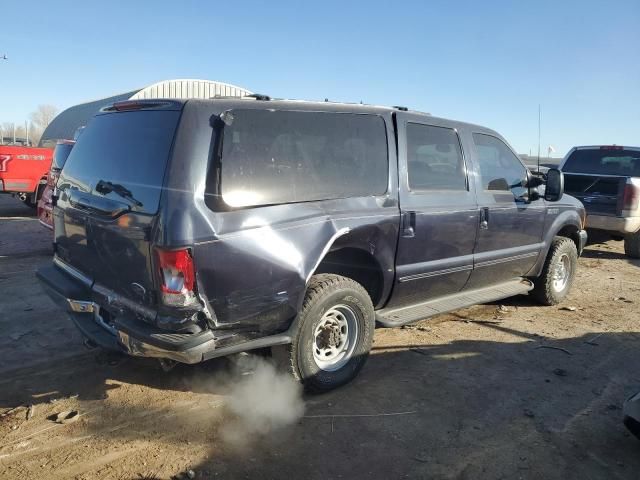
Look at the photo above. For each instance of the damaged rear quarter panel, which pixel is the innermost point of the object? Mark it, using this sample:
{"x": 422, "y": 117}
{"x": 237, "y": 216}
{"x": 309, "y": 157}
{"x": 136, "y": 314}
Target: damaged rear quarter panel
{"x": 253, "y": 264}
{"x": 258, "y": 273}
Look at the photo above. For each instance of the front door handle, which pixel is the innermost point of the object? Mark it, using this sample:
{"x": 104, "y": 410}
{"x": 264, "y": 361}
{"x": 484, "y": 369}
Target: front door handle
{"x": 484, "y": 218}
{"x": 408, "y": 224}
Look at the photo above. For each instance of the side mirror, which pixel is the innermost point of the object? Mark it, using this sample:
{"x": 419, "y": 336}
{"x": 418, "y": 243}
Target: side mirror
{"x": 555, "y": 185}
{"x": 533, "y": 182}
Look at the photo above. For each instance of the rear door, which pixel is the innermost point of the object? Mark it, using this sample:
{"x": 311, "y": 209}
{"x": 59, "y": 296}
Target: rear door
{"x": 510, "y": 228}
{"x": 439, "y": 212}
{"x": 108, "y": 196}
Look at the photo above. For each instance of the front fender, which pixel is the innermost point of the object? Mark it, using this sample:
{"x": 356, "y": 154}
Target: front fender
{"x": 556, "y": 222}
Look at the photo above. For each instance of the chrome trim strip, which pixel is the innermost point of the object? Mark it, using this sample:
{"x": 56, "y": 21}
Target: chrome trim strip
{"x": 72, "y": 271}
{"x": 436, "y": 273}
{"x": 497, "y": 261}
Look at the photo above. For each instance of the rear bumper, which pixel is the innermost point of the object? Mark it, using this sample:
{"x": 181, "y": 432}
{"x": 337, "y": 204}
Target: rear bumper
{"x": 614, "y": 224}
{"x": 17, "y": 185}
{"x": 136, "y": 337}
{"x": 124, "y": 334}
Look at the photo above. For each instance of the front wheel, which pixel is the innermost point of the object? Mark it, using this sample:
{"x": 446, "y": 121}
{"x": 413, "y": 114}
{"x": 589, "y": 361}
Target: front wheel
{"x": 559, "y": 271}
{"x": 333, "y": 334}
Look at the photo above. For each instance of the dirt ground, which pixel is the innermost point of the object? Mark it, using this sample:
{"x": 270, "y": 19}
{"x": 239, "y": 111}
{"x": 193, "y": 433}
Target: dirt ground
{"x": 508, "y": 390}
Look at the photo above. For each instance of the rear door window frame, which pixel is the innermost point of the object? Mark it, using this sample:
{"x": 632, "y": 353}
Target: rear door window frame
{"x": 465, "y": 163}
{"x": 214, "y": 183}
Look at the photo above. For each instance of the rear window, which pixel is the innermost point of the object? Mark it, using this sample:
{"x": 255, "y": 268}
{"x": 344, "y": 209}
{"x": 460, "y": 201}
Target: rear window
{"x": 274, "y": 157}
{"x": 604, "y": 162}
{"x": 60, "y": 155}
{"x": 130, "y": 150}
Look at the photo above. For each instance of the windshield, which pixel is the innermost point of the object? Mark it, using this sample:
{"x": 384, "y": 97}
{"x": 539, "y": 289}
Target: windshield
{"x": 623, "y": 162}
{"x": 127, "y": 150}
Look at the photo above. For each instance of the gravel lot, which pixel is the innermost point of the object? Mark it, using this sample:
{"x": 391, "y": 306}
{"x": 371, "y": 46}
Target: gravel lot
{"x": 509, "y": 390}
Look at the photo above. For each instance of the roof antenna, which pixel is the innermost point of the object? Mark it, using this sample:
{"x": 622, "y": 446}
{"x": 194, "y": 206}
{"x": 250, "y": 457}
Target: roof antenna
{"x": 539, "y": 117}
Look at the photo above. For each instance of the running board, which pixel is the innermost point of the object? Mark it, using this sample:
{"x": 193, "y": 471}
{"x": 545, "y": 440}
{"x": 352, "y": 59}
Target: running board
{"x": 394, "y": 317}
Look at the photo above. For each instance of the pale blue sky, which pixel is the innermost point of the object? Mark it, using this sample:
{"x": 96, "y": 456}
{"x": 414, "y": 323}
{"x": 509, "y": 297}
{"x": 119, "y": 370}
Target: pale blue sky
{"x": 488, "y": 62}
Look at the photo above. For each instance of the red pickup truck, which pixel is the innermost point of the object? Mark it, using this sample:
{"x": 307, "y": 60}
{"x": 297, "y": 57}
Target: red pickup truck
{"x": 23, "y": 171}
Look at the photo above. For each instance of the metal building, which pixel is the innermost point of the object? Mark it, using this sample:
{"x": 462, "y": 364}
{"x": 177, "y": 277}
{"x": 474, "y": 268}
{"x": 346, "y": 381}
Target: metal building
{"x": 67, "y": 122}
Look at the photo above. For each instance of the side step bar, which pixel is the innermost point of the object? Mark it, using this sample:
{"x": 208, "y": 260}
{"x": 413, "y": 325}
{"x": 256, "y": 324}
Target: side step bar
{"x": 395, "y": 317}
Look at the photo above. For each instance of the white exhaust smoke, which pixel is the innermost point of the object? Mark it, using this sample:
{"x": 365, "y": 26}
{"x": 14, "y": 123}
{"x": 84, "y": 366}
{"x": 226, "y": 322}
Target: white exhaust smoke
{"x": 262, "y": 401}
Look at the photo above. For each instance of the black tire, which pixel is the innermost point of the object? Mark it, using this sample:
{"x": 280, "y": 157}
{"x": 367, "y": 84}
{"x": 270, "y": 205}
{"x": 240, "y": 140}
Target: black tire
{"x": 633, "y": 425}
{"x": 29, "y": 203}
{"x": 325, "y": 293}
{"x": 632, "y": 245}
{"x": 545, "y": 291}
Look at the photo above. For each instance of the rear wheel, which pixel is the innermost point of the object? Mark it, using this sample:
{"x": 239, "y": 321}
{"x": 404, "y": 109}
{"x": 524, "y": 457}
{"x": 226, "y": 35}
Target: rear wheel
{"x": 333, "y": 334}
{"x": 30, "y": 199}
{"x": 632, "y": 245}
{"x": 559, "y": 271}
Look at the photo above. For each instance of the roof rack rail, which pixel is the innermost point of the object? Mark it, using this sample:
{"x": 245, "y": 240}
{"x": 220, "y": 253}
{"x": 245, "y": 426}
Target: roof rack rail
{"x": 259, "y": 96}
{"x": 401, "y": 108}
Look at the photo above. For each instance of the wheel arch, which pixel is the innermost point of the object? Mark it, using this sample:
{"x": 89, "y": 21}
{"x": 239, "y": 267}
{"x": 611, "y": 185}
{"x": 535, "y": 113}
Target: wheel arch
{"x": 356, "y": 254}
{"x": 567, "y": 224}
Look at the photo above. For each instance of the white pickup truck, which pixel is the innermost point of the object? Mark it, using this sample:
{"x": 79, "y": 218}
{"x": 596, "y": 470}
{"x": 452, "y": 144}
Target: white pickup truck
{"x": 606, "y": 179}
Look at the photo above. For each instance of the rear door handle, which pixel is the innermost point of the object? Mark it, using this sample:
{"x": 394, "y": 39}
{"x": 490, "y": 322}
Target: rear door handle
{"x": 408, "y": 224}
{"x": 484, "y": 218}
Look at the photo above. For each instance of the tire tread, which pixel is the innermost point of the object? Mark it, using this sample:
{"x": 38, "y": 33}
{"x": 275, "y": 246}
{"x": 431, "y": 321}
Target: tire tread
{"x": 543, "y": 290}
{"x": 319, "y": 285}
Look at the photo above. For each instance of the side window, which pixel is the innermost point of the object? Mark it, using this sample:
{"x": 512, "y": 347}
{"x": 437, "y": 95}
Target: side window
{"x": 273, "y": 157}
{"x": 500, "y": 169}
{"x": 434, "y": 158}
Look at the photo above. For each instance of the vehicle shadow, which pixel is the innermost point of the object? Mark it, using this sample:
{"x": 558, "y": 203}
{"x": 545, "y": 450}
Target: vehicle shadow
{"x": 12, "y": 207}
{"x": 600, "y": 254}
{"x": 482, "y": 409}
{"x": 528, "y": 406}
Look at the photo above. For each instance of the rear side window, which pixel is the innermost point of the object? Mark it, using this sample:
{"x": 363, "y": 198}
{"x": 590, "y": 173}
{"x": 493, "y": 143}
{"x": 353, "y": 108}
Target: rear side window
{"x": 604, "y": 161}
{"x": 274, "y": 157}
{"x": 434, "y": 158}
{"x": 129, "y": 150}
{"x": 60, "y": 154}
{"x": 500, "y": 169}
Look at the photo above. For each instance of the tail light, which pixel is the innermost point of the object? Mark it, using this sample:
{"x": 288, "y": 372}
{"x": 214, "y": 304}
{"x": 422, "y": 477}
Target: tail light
{"x": 52, "y": 178}
{"x": 631, "y": 197}
{"x": 177, "y": 275}
{"x": 4, "y": 159}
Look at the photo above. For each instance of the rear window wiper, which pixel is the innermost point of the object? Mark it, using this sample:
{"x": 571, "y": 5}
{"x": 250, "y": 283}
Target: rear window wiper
{"x": 105, "y": 187}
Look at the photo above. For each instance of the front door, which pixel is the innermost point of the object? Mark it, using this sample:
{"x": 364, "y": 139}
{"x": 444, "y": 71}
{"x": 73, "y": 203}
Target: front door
{"x": 510, "y": 228}
{"x": 439, "y": 213}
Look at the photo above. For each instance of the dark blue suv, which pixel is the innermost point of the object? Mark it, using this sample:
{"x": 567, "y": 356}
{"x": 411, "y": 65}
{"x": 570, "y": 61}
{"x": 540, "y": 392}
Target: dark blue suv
{"x": 187, "y": 230}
